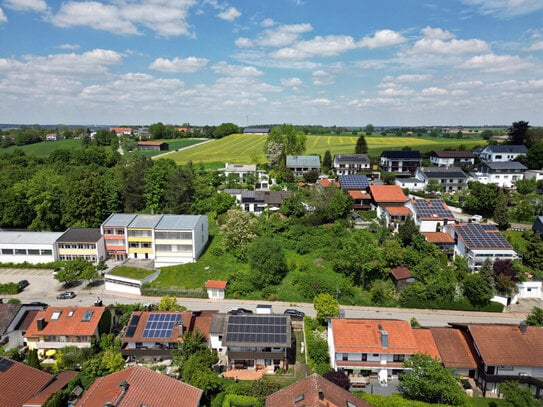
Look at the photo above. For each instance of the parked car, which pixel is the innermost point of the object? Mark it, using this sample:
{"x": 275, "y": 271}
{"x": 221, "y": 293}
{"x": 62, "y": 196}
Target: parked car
{"x": 23, "y": 284}
{"x": 294, "y": 313}
{"x": 66, "y": 295}
{"x": 240, "y": 311}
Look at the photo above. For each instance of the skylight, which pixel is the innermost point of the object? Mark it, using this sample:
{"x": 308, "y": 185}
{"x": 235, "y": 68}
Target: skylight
{"x": 56, "y": 315}
{"x": 87, "y": 317}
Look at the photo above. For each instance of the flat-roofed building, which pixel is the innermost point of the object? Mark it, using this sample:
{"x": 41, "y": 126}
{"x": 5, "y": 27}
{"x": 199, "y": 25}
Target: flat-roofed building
{"x": 31, "y": 247}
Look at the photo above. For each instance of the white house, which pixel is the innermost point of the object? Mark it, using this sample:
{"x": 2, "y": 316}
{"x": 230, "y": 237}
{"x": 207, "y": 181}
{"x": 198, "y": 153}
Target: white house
{"x": 503, "y": 174}
{"x": 502, "y": 152}
{"x": 300, "y": 164}
{"x": 405, "y": 161}
{"x": 430, "y": 214}
{"x": 452, "y": 158}
{"x": 451, "y": 179}
{"x": 30, "y": 247}
{"x": 348, "y": 164}
{"x": 411, "y": 183}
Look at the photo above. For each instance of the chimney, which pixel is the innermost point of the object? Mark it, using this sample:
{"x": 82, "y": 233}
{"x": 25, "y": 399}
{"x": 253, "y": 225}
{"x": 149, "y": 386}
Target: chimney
{"x": 384, "y": 339}
{"x": 41, "y": 323}
{"x": 321, "y": 395}
{"x": 523, "y": 327}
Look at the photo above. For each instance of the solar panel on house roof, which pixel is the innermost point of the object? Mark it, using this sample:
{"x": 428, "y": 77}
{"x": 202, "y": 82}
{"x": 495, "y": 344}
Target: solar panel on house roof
{"x": 434, "y": 208}
{"x": 130, "y": 331}
{"x": 356, "y": 181}
{"x": 257, "y": 330}
{"x": 160, "y": 325}
{"x": 482, "y": 236}
{"x": 5, "y": 364}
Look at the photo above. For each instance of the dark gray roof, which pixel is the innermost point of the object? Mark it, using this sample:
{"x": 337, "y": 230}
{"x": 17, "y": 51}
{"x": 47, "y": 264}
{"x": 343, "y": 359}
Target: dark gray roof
{"x": 81, "y": 235}
{"x": 480, "y": 237}
{"x": 7, "y": 313}
{"x": 252, "y": 130}
{"x": 440, "y": 172}
{"x": 179, "y": 222}
{"x": 505, "y": 165}
{"x": 453, "y": 154}
{"x": 145, "y": 221}
{"x": 407, "y": 154}
{"x": 257, "y": 330}
{"x": 309, "y": 161}
{"x": 218, "y": 323}
{"x": 352, "y": 158}
{"x": 507, "y": 148}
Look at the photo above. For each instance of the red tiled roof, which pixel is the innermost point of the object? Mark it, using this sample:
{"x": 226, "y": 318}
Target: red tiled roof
{"x": 426, "y": 343}
{"x": 398, "y": 210}
{"x": 453, "y": 348}
{"x": 145, "y": 387}
{"x": 505, "y": 345}
{"x": 58, "y": 383}
{"x": 325, "y": 182}
{"x": 387, "y": 193}
{"x": 306, "y": 393}
{"x": 150, "y": 143}
{"x": 19, "y": 382}
{"x": 120, "y": 129}
{"x": 70, "y": 322}
{"x": 438, "y": 237}
{"x": 216, "y": 284}
{"x": 363, "y": 336}
{"x": 358, "y": 194}
{"x": 401, "y": 273}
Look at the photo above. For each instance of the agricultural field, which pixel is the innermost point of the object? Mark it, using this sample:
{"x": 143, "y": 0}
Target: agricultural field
{"x": 45, "y": 148}
{"x": 244, "y": 148}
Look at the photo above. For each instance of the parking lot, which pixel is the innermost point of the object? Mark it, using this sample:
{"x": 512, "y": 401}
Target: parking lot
{"x": 42, "y": 283}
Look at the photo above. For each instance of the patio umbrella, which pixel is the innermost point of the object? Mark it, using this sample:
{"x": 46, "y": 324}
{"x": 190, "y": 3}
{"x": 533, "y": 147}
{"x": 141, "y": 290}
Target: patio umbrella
{"x": 51, "y": 352}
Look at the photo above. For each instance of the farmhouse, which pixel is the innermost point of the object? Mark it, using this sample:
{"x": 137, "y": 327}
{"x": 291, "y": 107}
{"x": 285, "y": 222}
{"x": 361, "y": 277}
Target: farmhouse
{"x": 152, "y": 146}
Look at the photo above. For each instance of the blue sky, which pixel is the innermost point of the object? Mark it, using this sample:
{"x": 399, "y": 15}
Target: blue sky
{"x": 343, "y": 62}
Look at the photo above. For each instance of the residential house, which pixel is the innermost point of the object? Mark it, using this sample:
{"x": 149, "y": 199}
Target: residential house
{"x": 30, "y": 247}
{"x": 400, "y": 161}
{"x": 534, "y": 174}
{"x": 51, "y": 137}
{"x": 401, "y": 277}
{"x": 57, "y": 327}
{"x": 121, "y": 131}
{"x": 452, "y": 158}
{"x": 166, "y": 239}
{"x": 242, "y": 172}
{"x": 314, "y": 391}
{"x": 450, "y": 179}
{"x": 153, "y": 146}
{"x": 503, "y": 174}
{"x": 349, "y": 164}
{"x": 252, "y": 341}
{"x": 258, "y": 201}
{"x": 27, "y": 386}
{"x": 85, "y": 243}
{"x": 300, "y": 164}
{"x": 476, "y": 243}
{"x": 367, "y": 347}
{"x": 140, "y": 386}
{"x": 357, "y": 187}
{"x": 442, "y": 240}
{"x": 390, "y": 201}
{"x": 14, "y": 321}
{"x": 506, "y": 352}
{"x": 257, "y": 130}
{"x": 216, "y": 289}
{"x": 430, "y": 214}
{"x": 410, "y": 183}
{"x": 455, "y": 351}
{"x": 502, "y": 152}
{"x": 154, "y": 335}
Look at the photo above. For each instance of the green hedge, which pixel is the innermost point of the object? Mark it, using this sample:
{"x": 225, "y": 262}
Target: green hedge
{"x": 236, "y": 400}
{"x": 9, "y": 288}
{"x": 172, "y": 291}
{"x": 26, "y": 265}
{"x": 461, "y": 305}
{"x": 395, "y": 400}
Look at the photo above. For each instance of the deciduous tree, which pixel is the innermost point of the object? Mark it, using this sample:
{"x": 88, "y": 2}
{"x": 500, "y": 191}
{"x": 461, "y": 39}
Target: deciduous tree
{"x": 267, "y": 262}
{"x": 326, "y": 306}
{"x": 535, "y": 317}
{"x": 516, "y": 396}
{"x": 517, "y": 132}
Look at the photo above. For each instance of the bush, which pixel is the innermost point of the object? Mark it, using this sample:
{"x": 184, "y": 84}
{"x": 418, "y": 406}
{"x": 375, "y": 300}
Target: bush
{"x": 173, "y": 292}
{"x": 235, "y": 400}
{"x": 9, "y": 288}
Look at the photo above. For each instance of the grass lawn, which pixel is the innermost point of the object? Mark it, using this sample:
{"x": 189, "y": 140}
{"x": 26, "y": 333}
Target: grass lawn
{"x": 131, "y": 272}
{"x": 482, "y": 402}
{"x": 245, "y": 148}
{"x": 45, "y": 148}
{"x": 173, "y": 146}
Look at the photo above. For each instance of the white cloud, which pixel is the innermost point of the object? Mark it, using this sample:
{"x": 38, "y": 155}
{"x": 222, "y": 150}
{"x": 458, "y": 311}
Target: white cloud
{"x": 223, "y": 68}
{"x": 383, "y": 38}
{"x": 230, "y": 14}
{"x": 536, "y": 46}
{"x": 506, "y": 8}
{"x": 323, "y": 78}
{"x": 320, "y": 102}
{"x": 408, "y": 78}
{"x": 291, "y": 82}
{"x": 26, "y": 5}
{"x": 467, "y": 85}
{"x": 267, "y": 22}
{"x": 497, "y": 63}
{"x": 434, "y": 91}
{"x": 69, "y": 46}
{"x": 280, "y": 36}
{"x": 179, "y": 65}
{"x": 396, "y": 91}
{"x": 166, "y": 18}
{"x": 436, "y": 41}
{"x": 330, "y": 45}
{"x": 3, "y": 17}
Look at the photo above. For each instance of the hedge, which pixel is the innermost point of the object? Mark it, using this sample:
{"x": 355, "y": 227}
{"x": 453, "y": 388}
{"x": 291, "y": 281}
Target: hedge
{"x": 9, "y": 288}
{"x": 461, "y": 305}
{"x": 236, "y": 400}
{"x": 172, "y": 291}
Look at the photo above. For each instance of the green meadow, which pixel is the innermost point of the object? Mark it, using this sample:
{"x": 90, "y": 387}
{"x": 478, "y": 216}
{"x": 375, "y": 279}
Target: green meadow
{"x": 244, "y": 148}
{"x": 45, "y": 148}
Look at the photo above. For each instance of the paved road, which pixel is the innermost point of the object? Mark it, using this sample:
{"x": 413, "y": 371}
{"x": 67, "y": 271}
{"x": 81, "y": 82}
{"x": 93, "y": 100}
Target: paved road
{"x": 43, "y": 287}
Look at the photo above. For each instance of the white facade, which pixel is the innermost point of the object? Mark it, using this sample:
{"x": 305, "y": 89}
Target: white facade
{"x": 30, "y": 247}
{"x": 125, "y": 284}
{"x": 502, "y": 153}
{"x": 413, "y": 184}
{"x": 215, "y": 293}
{"x": 537, "y": 174}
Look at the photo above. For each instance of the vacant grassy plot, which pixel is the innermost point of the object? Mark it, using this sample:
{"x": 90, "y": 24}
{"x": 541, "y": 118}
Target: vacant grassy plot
{"x": 131, "y": 272}
{"x": 45, "y": 148}
{"x": 243, "y": 148}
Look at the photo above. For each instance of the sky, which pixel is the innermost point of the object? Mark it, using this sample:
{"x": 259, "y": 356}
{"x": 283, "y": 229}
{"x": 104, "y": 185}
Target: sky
{"x": 257, "y": 62}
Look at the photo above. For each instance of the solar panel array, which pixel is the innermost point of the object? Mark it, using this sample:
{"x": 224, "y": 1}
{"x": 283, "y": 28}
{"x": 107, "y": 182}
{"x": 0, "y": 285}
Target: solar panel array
{"x": 132, "y": 325}
{"x": 356, "y": 181}
{"x": 257, "y": 330}
{"x": 475, "y": 235}
{"x": 160, "y": 325}
{"x": 434, "y": 208}
{"x": 5, "y": 364}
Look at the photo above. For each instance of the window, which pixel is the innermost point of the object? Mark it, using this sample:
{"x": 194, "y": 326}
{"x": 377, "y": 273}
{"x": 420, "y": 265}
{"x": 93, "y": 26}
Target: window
{"x": 87, "y": 317}
{"x": 7, "y": 251}
{"x": 56, "y": 315}
{"x": 299, "y": 398}
{"x": 20, "y": 251}
{"x": 46, "y": 252}
{"x": 345, "y": 356}
{"x": 364, "y": 357}
{"x": 398, "y": 358}
{"x": 34, "y": 251}
{"x": 375, "y": 355}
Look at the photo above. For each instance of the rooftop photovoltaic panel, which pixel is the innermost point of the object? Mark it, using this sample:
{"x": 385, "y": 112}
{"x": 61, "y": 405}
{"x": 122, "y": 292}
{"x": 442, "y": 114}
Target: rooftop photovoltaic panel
{"x": 356, "y": 181}
{"x": 135, "y": 319}
{"x": 247, "y": 329}
{"x": 433, "y": 208}
{"x": 130, "y": 331}
{"x": 160, "y": 325}
{"x": 475, "y": 235}
{"x": 5, "y": 364}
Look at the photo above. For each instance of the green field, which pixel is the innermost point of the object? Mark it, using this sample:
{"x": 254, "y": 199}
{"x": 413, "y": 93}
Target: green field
{"x": 45, "y": 148}
{"x": 244, "y": 148}
{"x": 172, "y": 144}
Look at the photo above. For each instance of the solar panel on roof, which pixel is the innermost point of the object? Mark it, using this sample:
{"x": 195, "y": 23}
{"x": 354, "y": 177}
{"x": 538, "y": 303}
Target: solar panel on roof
{"x": 130, "y": 331}
{"x": 257, "y": 329}
{"x": 5, "y": 364}
{"x": 134, "y": 320}
{"x": 356, "y": 181}
{"x": 482, "y": 236}
{"x": 160, "y": 325}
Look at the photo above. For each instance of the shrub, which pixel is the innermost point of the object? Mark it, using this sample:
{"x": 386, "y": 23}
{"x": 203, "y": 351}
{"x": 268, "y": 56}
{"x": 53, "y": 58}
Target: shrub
{"x": 9, "y": 288}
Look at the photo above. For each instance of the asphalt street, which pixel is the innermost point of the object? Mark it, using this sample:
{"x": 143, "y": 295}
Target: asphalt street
{"x": 44, "y": 288}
